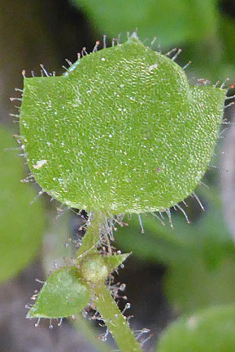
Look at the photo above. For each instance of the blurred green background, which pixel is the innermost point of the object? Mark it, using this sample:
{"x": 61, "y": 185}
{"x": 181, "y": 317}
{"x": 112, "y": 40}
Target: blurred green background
{"x": 186, "y": 271}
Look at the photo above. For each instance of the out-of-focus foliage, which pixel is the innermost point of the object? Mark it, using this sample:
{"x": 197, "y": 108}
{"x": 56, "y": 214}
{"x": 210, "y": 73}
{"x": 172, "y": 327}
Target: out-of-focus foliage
{"x": 21, "y": 225}
{"x": 173, "y": 21}
{"x": 210, "y": 330}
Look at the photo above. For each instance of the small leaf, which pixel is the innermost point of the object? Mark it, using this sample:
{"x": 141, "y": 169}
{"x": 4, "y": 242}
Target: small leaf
{"x": 62, "y": 295}
{"x": 115, "y": 260}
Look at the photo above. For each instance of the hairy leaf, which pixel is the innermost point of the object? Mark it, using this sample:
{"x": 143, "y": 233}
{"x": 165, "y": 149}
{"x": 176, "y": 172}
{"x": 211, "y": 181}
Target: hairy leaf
{"x": 62, "y": 295}
{"x": 122, "y": 131}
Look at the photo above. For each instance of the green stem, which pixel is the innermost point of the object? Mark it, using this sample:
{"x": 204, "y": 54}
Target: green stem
{"x": 105, "y": 303}
{"x": 92, "y": 236}
{"x": 115, "y": 321}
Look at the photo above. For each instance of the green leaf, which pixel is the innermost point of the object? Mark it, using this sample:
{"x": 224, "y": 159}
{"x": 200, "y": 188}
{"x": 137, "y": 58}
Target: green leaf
{"x": 122, "y": 132}
{"x": 210, "y": 330}
{"x": 114, "y": 261}
{"x": 62, "y": 295}
{"x": 21, "y": 225}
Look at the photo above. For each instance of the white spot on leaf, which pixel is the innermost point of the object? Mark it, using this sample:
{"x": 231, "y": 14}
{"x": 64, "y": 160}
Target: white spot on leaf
{"x": 39, "y": 164}
{"x": 153, "y": 67}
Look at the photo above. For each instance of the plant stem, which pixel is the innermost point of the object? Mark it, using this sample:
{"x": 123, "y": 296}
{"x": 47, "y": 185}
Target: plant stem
{"x": 115, "y": 321}
{"x": 92, "y": 235}
{"x": 104, "y": 302}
